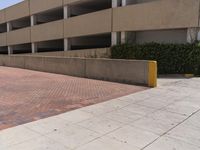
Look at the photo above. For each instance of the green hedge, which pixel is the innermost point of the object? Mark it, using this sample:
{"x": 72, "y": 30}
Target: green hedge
{"x": 171, "y": 58}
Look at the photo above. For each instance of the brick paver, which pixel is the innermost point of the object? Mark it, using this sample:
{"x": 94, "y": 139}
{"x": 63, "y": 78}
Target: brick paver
{"x": 26, "y": 96}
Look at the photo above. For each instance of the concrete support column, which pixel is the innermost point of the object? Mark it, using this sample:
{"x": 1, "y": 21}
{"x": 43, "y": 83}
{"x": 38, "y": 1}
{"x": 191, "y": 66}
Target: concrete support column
{"x": 67, "y": 44}
{"x": 114, "y": 38}
{"x": 9, "y": 27}
{"x": 123, "y": 37}
{"x": 124, "y": 2}
{"x": 66, "y": 12}
{"x": 193, "y": 35}
{"x": 123, "y": 34}
{"x": 10, "y": 50}
{"x": 33, "y": 20}
{"x": 34, "y": 47}
{"x": 114, "y": 34}
{"x": 115, "y": 3}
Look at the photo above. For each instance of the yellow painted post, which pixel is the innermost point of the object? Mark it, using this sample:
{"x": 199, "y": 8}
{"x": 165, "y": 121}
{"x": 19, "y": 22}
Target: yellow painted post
{"x": 189, "y": 75}
{"x": 152, "y": 76}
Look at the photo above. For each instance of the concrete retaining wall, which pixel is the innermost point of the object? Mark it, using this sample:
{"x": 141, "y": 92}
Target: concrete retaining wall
{"x": 124, "y": 71}
{"x": 86, "y": 53}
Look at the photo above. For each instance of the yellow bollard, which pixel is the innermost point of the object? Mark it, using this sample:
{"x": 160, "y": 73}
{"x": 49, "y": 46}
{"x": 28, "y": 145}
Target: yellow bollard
{"x": 152, "y": 74}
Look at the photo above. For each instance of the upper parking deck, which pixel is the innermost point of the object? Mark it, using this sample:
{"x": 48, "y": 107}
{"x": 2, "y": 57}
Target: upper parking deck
{"x": 61, "y": 19}
{"x": 138, "y": 14}
{"x": 139, "y": 8}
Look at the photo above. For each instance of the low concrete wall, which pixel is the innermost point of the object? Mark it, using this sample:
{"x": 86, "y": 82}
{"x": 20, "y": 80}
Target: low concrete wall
{"x": 124, "y": 71}
{"x": 86, "y": 53}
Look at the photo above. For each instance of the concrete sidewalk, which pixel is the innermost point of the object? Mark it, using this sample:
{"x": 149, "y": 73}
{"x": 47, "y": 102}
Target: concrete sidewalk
{"x": 164, "y": 118}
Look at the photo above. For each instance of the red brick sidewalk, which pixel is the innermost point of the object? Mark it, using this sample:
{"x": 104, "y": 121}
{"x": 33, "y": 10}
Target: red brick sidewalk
{"x": 26, "y": 96}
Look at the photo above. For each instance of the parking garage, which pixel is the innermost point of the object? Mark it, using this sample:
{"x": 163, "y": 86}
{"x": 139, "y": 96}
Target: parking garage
{"x": 88, "y": 42}
{"x": 76, "y": 43}
{"x": 3, "y": 28}
{"x": 49, "y": 16}
{"x": 110, "y": 32}
{"x": 89, "y": 6}
{"x": 160, "y": 36}
{"x": 49, "y": 46}
{"x": 20, "y": 23}
{"x": 131, "y": 2}
{"x": 3, "y": 50}
{"x": 21, "y": 48}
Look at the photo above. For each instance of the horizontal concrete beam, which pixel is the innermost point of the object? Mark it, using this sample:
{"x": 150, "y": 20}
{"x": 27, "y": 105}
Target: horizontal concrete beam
{"x": 86, "y": 53}
{"x": 20, "y": 36}
{"x": 17, "y": 11}
{"x": 37, "y": 6}
{"x": 123, "y": 71}
{"x": 166, "y": 14}
{"x": 48, "y": 31}
{"x": 89, "y": 24}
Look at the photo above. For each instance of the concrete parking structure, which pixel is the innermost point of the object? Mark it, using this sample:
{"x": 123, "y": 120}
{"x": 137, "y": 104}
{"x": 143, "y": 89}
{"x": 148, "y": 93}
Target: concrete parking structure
{"x": 62, "y": 25}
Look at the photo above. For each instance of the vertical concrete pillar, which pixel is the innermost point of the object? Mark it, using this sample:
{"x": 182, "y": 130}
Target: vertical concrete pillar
{"x": 10, "y": 50}
{"x": 34, "y": 47}
{"x": 113, "y": 38}
{"x": 123, "y": 37}
{"x": 114, "y": 34}
{"x": 193, "y": 35}
{"x": 123, "y": 34}
{"x": 9, "y": 27}
{"x": 115, "y": 3}
{"x": 124, "y": 2}
{"x": 67, "y": 44}
{"x": 33, "y": 20}
{"x": 66, "y": 12}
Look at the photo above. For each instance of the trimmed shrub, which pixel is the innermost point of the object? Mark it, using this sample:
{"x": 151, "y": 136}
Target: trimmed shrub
{"x": 171, "y": 58}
